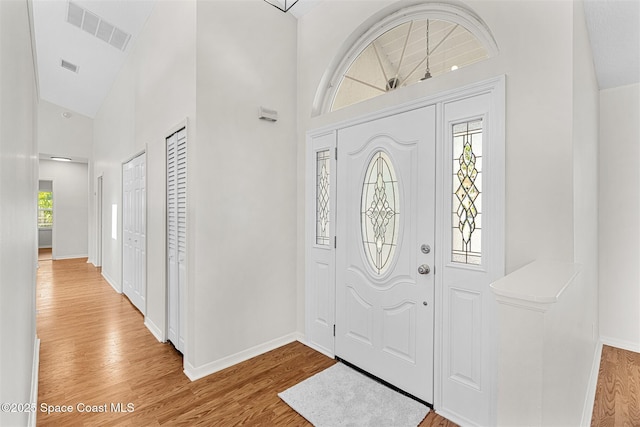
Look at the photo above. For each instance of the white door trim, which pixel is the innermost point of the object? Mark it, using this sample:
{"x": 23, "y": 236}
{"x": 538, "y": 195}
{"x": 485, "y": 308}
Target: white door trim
{"x": 495, "y": 160}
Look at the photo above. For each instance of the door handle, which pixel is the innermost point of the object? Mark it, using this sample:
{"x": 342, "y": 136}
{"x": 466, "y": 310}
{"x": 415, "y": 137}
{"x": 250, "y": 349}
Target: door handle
{"x": 424, "y": 269}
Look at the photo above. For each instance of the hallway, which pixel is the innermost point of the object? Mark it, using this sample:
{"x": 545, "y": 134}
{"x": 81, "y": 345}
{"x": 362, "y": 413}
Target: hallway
{"x": 95, "y": 350}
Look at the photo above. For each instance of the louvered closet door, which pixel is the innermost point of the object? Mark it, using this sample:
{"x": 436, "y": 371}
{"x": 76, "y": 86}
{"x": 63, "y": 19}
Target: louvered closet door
{"x": 176, "y": 235}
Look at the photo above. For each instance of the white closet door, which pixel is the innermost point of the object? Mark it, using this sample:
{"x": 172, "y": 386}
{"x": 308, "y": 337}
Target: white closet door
{"x": 176, "y": 235}
{"x": 134, "y": 231}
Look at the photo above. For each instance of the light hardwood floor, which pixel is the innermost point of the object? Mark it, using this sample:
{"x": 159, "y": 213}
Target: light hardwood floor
{"x": 95, "y": 350}
{"x": 618, "y": 392}
{"x": 44, "y": 254}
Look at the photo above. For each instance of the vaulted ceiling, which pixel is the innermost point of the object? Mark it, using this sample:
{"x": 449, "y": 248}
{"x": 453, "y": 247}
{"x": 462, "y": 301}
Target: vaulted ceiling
{"x": 97, "y": 35}
{"x": 98, "y": 48}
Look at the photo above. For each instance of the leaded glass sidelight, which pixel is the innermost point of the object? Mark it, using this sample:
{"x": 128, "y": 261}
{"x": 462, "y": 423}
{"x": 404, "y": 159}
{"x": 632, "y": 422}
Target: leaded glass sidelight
{"x": 379, "y": 212}
{"x": 323, "y": 162}
{"x": 466, "y": 245}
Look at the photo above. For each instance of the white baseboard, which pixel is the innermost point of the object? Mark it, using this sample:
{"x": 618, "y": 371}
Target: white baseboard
{"x": 587, "y": 410}
{"x": 299, "y": 337}
{"x": 34, "y": 381}
{"x": 623, "y": 344}
{"x": 154, "y": 329}
{"x": 455, "y": 418}
{"x": 195, "y": 373}
{"x": 316, "y": 347}
{"x": 110, "y": 281}
{"x": 58, "y": 257}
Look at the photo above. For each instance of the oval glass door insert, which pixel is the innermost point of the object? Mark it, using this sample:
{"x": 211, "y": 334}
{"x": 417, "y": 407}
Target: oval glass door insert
{"x": 379, "y": 209}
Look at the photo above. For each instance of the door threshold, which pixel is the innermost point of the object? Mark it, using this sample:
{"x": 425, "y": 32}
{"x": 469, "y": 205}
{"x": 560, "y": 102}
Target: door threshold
{"x": 383, "y": 382}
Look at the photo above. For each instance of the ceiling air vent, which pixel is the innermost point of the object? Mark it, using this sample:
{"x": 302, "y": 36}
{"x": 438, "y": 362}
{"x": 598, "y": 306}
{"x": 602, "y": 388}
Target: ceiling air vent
{"x": 96, "y": 26}
{"x": 104, "y": 31}
{"x": 74, "y": 15}
{"x": 68, "y": 66}
{"x": 90, "y": 23}
{"x": 119, "y": 39}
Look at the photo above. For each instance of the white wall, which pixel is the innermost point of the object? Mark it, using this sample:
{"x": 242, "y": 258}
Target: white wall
{"x": 241, "y": 206}
{"x": 18, "y": 192}
{"x": 45, "y": 238}
{"x": 70, "y": 207}
{"x": 555, "y": 350}
{"x": 60, "y": 136}
{"x": 242, "y": 286}
{"x": 619, "y": 228}
{"x": 154, "y": 92}
{"x": 571, "y": 350}
{"x": 113, "y": 143}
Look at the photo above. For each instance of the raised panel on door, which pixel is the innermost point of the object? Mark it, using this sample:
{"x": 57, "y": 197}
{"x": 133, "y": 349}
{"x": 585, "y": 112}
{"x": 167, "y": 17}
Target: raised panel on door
{"x": 134, "y": 231}
{"x": 464, "y": 341}
{"x": 399, "y": 331}
{"x": 386, "y": 211}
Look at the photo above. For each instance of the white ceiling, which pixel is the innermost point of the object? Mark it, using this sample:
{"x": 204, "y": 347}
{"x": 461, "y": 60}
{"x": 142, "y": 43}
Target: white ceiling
{"x": 98, "y": 61}
{"x": 614, "y": 30}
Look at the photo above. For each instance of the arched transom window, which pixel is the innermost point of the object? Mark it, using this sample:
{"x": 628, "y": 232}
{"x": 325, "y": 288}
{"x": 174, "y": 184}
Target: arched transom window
{"x": 406, "y": 48}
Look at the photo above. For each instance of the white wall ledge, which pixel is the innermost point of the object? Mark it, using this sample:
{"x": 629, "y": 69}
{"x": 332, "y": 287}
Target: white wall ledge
{"x": 536, "y": 286}
{"x": 544, "y": 351}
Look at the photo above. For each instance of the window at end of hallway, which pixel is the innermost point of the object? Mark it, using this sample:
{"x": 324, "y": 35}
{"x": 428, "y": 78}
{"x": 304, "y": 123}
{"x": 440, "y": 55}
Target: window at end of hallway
{"x": 45, "y": 209}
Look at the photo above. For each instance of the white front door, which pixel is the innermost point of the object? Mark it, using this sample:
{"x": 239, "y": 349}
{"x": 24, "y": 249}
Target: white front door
{"x": 134, "y": 231}
{"x": 385, "y": 249}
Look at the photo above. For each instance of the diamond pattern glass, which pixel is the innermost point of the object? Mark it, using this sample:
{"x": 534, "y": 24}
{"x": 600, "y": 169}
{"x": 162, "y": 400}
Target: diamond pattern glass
{"x": 379, "y": 212}
{"x": 467, "y": 193}
{"x": 323, "y": 163}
